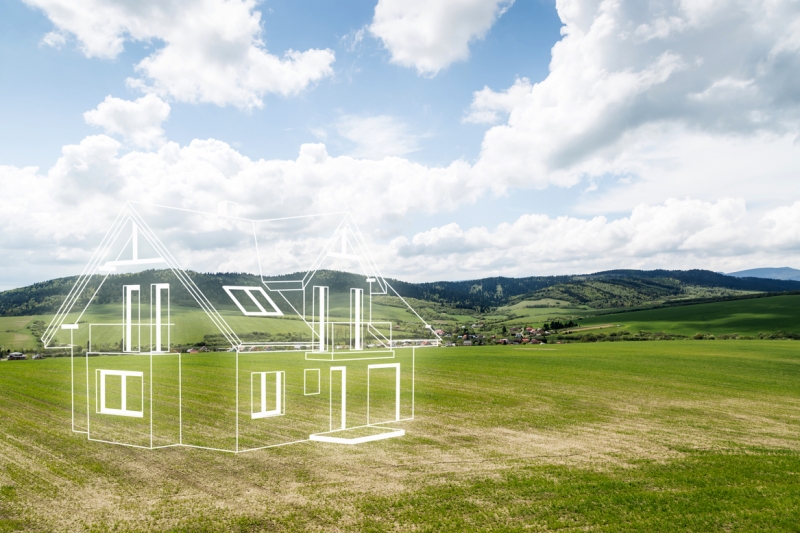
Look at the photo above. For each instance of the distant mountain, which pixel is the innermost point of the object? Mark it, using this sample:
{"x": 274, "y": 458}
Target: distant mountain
{"x": 707, "y": 278}
{"x": 783, "y": 273}
{"x": 612, "y": 288}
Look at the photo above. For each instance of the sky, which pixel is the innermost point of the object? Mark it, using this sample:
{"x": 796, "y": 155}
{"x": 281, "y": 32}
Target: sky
{"x": 468, "y": 138}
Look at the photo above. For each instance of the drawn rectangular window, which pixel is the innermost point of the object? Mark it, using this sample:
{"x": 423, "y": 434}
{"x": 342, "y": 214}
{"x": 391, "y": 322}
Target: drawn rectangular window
{"x": 122, "y": 395}
{"x": 131, "y": 335}
{"x": 383, "y": 393}
{"x": 253, "y": 307}
{"x": 311, "y": 381}
{"x": 267, "y": 394}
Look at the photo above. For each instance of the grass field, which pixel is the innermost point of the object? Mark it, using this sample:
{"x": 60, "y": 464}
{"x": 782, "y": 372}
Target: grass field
{"x": 745, "y": 317}
{"x": 656, "y": 436}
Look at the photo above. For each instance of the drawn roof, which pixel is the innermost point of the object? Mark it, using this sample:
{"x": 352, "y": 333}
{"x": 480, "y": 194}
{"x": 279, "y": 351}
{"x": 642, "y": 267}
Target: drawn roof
{"x": 287, "y": 253}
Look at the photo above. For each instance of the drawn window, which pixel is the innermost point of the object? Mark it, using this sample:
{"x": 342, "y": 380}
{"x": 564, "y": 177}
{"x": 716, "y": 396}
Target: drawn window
{"x": 267, "y": 394}
{"x": 311, "y": 381}
{"x": 121, "y": 395}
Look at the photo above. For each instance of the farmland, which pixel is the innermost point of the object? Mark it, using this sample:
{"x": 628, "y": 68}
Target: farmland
{"x": 742, "y": 317}
{"x": 662, "y": 436}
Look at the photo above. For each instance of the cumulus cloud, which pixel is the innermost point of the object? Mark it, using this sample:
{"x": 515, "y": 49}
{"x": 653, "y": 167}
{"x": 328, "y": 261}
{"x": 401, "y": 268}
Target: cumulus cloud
{"x": 54, "y": 39}
{"x": 643, "y": 95}
{"x": 377, "y": 137}
{"x": 627, "y": 77}
{"x": 67, "y": 208}
{"x": 139, "y": 121}
{"x": 200, "y": 174}
{"x": 487, "y": 105}
{"x": 88, "y": 168}
{"x": 429, "y": 36}
{"x": 212, "y": 50}
{"x": 58, "y": 216}
{"x": 688, "y": 233}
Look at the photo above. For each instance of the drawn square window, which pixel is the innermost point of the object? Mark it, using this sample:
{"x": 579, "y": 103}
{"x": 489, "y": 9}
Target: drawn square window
{"x": 119, "y": 393}
{"x": 267, "y": 394}
{"x": 311, "y": 381}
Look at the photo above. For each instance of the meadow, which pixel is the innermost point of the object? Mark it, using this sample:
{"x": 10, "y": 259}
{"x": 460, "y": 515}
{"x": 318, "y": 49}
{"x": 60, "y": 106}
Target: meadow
{"x": 743, "y": 317}
{"x": 655, "y": 436}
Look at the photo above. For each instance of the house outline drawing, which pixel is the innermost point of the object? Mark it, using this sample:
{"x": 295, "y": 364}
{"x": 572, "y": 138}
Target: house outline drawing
{"x": 286, "y": 392}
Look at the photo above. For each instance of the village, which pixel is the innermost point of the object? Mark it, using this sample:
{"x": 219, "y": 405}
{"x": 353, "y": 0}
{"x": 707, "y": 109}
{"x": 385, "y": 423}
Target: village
{"x": 514, "y": 335}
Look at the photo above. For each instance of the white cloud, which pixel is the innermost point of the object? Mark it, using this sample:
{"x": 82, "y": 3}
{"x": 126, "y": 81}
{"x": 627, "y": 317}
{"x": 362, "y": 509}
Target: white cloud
{"x": 212, "y": 49}
{"x": 639, "y": 95}
{"x": 353, "y": 39}
{"x": 89, "y": 168}
{"x": 629, "y": 81}
{"x": 58, "y": 216}
{"x": 429, "y": 36}
{"x": 679, "y": 161}
{"x": 54, "y": 39}
{"x": 487, "y": 104}
{"x": 138, "y": 121}
{"x": 377, "y": 137}
{"x": 721, "y": 235}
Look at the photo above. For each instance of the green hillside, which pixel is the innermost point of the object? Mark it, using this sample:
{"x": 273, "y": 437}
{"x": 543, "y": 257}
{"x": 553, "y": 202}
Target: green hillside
{"x": 602, "y": 293}
{"x": 591, "y": 299}
{"x": 192, "y": 326}
{"x": 744, "y": 317}
{"x": 613, "y": 288}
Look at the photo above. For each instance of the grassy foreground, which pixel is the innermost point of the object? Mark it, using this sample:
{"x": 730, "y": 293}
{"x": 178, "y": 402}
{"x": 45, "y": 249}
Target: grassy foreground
{"x": 661, "y": 436}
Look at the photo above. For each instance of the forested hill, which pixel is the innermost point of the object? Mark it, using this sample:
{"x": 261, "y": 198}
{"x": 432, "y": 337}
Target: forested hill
{"x": 704, "y": 278}
{"x": 630, "y": 288}
{"x": 613, "y": 288}
{"x": 47, "y": 296}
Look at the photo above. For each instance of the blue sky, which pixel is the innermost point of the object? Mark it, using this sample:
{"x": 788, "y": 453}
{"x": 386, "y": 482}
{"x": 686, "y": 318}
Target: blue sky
{"x": 59, "y": 85}
{"x": 473, "y": 137}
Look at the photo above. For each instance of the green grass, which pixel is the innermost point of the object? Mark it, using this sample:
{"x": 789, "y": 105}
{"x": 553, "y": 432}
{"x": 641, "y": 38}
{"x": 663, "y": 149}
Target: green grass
{"x": 14, "y": 334}
{"x": 657, "y": 436}
{"x": 743, "y": 317}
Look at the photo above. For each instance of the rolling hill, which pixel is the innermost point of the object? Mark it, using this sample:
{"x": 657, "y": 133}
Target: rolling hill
{"x": 745, "y": 316}
{"x": 784, "y": 273}
{"x": 609, "y": 289}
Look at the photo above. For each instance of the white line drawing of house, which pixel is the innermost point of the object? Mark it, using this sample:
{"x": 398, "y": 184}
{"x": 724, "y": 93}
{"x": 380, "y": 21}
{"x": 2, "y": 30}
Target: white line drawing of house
{"x": 346, "y": 379}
